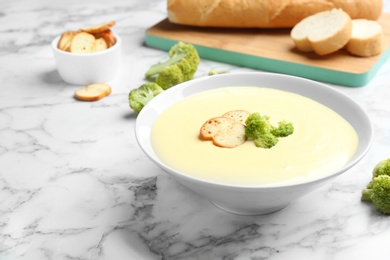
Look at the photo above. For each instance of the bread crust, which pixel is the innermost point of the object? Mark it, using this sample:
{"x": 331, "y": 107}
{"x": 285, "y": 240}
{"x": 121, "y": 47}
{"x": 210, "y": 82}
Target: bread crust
{"x": 263, "y": 14}
{"x": 360, "y": 9}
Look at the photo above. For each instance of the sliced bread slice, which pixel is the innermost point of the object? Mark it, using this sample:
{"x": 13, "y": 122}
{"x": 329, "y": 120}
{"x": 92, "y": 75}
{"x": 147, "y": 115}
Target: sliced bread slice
{"x": 324, "y": 32}
{"x": 367, "y": 38}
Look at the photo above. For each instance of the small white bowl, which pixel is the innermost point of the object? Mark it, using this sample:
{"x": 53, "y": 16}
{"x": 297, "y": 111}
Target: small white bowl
{"x": 83, "y": 69}
{"x": 255, "y": 200}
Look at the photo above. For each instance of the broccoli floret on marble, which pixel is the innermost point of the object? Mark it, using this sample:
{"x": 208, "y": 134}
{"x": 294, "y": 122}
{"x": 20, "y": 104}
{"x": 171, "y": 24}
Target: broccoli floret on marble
{"x": 378, "y": 192}
{"x": 382, "y": 168}
{"x": 139, "y": 97}
{"x": 180, "y": 67}
{"x": 378, "y": 189}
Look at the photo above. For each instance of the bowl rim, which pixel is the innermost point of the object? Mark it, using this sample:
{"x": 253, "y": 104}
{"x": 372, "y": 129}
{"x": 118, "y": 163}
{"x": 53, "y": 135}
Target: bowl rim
{"x": 54, "y": 46}
{"x": 279, "y": 185}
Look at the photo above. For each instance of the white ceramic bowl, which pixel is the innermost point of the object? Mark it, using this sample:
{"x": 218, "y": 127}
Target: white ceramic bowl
{"x": 82, "y": 69}
{"x": 254, "y": 200}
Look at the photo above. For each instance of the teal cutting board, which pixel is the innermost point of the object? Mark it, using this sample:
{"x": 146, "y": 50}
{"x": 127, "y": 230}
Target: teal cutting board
{"x": 271, "y": 50}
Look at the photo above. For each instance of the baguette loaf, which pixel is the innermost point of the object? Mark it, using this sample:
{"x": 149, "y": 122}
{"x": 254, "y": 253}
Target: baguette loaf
{"x": 264, "y": 13}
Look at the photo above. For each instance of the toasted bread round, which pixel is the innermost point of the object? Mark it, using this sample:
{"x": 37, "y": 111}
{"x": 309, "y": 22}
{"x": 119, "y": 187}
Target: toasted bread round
{"x": 239, "y": 116}
{"x": 367, "y": 38}
{"x": 65, "y": 41}
{"x": 223, "y": 131}
{"x": 108, "y": 36}
{"x": 99, "y": 28}
{"x": 99, "y": 45}
{"x": 82, "y": 42}
{"x": 212, "y": 126}
{"x": 324, "y": 32}
{"x": 93, "y": 92}
{"x": 231, "y": 136}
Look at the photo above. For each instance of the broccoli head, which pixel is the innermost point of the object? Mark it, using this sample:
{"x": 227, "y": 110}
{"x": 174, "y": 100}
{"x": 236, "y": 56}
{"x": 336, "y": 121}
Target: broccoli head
{"x": 266, "y": 140}
{"x": 170, "y": 76}
{"x": 379, "y": 193}
{"x": 382, "y": 168}
{"x": 284, "y": 129}
{"x": 263, "y": 133}
{"x": 257, "y": 125}
{"x": 180, "y": 67}
{"x": 139, "y": 97}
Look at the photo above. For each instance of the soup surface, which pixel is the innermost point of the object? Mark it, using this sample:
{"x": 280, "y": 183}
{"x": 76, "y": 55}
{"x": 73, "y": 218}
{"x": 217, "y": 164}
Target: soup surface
{"x": 322, "y": 141}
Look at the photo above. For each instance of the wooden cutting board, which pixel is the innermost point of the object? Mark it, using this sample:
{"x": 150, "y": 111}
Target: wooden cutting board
{"x": 271, "y": 50}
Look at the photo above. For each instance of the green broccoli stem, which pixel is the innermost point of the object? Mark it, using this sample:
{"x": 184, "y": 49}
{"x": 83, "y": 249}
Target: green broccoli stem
{"x": 366, "y": 195}
{"x": 157, "y": 68}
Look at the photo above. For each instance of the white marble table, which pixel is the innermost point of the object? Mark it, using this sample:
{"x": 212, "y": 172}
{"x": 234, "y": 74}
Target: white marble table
{"x": 75, "y": 185}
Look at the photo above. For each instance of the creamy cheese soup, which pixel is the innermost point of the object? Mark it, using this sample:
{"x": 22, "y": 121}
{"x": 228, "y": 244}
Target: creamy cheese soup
{"x": 322, "y": 141}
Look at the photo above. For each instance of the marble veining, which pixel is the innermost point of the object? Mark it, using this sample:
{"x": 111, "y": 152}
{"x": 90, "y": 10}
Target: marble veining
{"x": 74, "y": 183}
